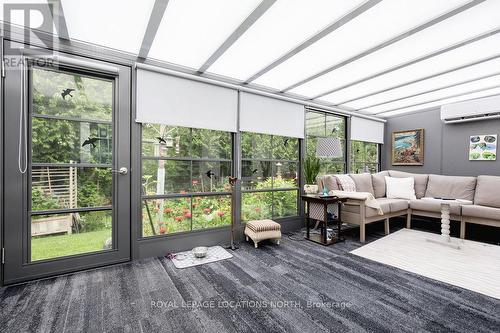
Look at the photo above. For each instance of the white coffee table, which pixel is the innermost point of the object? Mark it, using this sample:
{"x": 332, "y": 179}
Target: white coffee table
{"x": 445, "y": 220}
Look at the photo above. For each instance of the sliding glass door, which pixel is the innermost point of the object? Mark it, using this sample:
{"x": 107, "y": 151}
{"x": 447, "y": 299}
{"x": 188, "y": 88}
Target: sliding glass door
{"x": 68, "y": 168}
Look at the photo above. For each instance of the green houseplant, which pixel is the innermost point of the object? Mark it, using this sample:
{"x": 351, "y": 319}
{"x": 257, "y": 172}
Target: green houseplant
{"x": 311, "y": 171}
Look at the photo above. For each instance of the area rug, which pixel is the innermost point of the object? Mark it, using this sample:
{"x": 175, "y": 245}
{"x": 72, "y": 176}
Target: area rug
{"x": 475, "y": 266}
{"x": 187, "y": 258}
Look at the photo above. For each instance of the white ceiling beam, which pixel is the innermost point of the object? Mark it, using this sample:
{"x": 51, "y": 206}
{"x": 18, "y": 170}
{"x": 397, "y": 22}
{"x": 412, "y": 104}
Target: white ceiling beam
{"x": 154, "y": 22}
{"x": 412, "y": 62}
{"x": 436, "y": 100}
{"x": 420, "y": 79}
{"x": 432, "y": 90}
{"x": 313, "y": 39}
{"x": 242, "y": 28}
{"x": 391, "y": 41}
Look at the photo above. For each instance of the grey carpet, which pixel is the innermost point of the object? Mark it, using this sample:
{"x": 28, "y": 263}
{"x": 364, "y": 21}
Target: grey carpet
{"x": 263, "y": 290}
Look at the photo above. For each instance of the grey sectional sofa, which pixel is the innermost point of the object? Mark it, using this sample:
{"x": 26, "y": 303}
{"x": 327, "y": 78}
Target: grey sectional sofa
{"x": 482, "y": 191}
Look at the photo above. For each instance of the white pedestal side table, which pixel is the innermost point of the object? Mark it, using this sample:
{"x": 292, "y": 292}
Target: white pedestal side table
{"x": 445, "y": 220}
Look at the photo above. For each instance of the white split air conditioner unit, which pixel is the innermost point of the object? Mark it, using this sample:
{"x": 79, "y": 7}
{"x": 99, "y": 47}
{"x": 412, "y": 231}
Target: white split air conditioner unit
{"x": 473, "y": 110}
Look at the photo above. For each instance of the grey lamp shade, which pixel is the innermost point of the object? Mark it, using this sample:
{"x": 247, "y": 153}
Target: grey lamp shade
{"x": 329, "y": 147}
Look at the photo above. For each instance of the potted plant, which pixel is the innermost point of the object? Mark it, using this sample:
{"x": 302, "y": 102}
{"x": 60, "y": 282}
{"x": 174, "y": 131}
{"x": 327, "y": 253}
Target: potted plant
{"x": 311, "y": 170}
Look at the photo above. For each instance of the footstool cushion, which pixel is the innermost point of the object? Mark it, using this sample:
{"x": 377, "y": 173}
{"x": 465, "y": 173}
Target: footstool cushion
{"x": 259, "y": 230}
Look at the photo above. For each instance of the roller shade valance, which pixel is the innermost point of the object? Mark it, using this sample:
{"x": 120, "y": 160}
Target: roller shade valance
{"x": 170, "y": 100}
{"x": 367, "y": 130}
{"x": 260, "y": 114}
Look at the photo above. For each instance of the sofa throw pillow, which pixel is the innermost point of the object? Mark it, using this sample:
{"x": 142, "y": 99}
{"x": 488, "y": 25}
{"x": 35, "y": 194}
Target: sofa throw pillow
{"x": 363, "y": 182}
{"x": 346, "y": 183}
{"x": 400, "y": 188}
{"x": 378, "y": 181}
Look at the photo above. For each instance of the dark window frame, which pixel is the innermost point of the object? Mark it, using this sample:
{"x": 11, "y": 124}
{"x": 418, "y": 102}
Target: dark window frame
{"x": 274, "y": 190}
{"x": 191, "y": 195}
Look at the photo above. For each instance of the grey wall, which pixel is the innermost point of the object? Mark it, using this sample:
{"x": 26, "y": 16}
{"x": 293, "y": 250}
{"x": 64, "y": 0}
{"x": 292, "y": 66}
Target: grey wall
{"x": 446, "y": 145}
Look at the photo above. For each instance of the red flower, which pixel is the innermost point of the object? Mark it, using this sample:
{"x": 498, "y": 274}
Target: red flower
{"x": 187, "y": 215}
{"x": 220, "y": 213}
{"x": 207, "y": 211}
{"x": 167, "y": 210}
{"x": 185, "y": 210}
{"x": 163, "y": 230}
{"x": 257, "y": 209}
{"x": 178, "y": 218}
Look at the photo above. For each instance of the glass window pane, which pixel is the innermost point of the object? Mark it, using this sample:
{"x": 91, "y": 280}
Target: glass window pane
{"x": 380, "y": 23}
{"x": 371, "y": 152}
{"x": 256, "y": 206}
{"x": 285, "y": 148}
{"x": 70, "y": 187}
{"x": 211, "y": 144}
{"x": 64, "y": 141}
{"x": 256, "y": 175}
{"x": 255, "y": 145}
{"x": 285, "y": 203}
{"x": 165, "y": 141}
{"x": 191, "y": 30}
{"x": 165, "y": 177}
{"x": 211, "y": 176}
{"x": 211, "y": 212}
{"x": 285, "y": 175}
{"x": 335, "y": 126}
{"x": 358, "y": 167}
{"x": 358, "y": 151}
{"x": 311, "y": 143}
{"x": 331, "y": 168}
{"x": 71, "y": 95}
{"x": 166, "y": 216}
{"x": 372, "y": 168}
{"x": 315, "y": 124}
{"x": 60, "y": 235}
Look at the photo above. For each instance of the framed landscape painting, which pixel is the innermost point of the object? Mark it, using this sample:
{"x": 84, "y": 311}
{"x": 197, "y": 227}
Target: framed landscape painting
{"x": 408, "y": 147}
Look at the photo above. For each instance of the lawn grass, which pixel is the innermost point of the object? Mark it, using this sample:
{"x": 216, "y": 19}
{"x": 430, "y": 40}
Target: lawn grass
{"x": 64, "y": 245}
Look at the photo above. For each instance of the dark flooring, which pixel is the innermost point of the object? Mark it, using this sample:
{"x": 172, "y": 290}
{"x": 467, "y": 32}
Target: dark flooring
{"x": 298, "y": 286}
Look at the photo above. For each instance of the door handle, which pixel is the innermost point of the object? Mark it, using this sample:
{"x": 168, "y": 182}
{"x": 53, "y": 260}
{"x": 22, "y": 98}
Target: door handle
{"x": 121, "y": 171}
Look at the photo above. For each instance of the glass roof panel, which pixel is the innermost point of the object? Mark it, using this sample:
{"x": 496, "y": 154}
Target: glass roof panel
{"x": 479, "y": 94}
{"x": 382, "y": 22}
{"x": 191, "y": 30}
{"x": 461, "y": 75}
{"x": 461, "y": 56}
{"x": 465, "y": 25}
{"x": 277, "y": 32}
{"x": 117, "y": 24}
{"x": 439, "y": 94}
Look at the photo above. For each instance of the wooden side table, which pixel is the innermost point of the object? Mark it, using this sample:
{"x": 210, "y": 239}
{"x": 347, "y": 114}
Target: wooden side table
{"x": 317, "y": 210}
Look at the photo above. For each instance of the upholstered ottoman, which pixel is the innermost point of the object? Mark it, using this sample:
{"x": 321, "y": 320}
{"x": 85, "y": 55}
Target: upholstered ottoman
{"x": 263, "y": 229}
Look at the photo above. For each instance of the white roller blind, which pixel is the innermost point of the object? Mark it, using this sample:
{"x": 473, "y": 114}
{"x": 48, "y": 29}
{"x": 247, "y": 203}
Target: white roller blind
{"x": 267, "y": 115}
{"x": 169, "y": 100}
{"x": 367, "y": 130}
